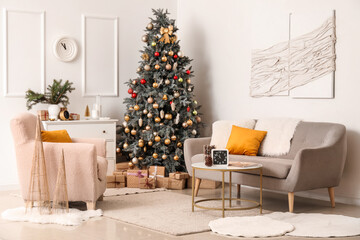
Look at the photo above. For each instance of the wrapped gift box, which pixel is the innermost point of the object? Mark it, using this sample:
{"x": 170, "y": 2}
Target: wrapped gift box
{"x": 122, "y": 166}
{"x": 157, "y": 172}
{"x": 120, "y": 178}
{"x": 120, "y": 185}
{"x": 205, "y": 184}
{"x": 172, "y": 183}
{"x": 74, "y": 116}
{"x": 147, "y": 183}
{"x": 179, "y": 175}
{"x": 134, "y": 176}
{"x": 43, "y": 114}
{"x": 120, "y": 172}
{"x": 110, "y": 181}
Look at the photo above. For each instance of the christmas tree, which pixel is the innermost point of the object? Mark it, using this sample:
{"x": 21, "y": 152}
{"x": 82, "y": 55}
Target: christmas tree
{"x": 161, "y": 111}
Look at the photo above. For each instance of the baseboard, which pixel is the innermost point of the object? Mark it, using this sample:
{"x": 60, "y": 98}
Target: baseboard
{"x": 9, "y": 187}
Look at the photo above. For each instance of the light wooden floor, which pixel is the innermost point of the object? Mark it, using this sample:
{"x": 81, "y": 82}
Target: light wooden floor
{"x": 105, "y": 228}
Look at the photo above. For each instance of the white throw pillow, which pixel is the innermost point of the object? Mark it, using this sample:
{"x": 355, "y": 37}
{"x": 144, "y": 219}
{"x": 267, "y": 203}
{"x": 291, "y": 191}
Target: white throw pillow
{"x": 221, "y": 130}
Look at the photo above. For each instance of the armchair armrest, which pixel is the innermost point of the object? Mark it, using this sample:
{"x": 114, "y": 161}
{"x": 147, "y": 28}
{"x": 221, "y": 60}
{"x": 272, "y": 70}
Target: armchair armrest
{"x": 99, "y": 143}
{"x": 193, "y": 146}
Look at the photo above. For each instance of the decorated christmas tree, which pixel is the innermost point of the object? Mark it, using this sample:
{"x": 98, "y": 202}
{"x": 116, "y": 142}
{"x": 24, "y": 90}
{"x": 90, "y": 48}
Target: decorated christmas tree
{"x": 161, "y": 110}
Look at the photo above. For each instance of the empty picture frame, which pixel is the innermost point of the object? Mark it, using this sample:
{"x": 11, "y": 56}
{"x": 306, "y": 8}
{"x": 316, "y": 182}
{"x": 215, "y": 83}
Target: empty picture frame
{"x": 23, "y": 52}
{"x": 100, "y": 56}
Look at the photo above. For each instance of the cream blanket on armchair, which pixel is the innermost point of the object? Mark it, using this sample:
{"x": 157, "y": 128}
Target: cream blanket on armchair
{"x": 280, "y": 131}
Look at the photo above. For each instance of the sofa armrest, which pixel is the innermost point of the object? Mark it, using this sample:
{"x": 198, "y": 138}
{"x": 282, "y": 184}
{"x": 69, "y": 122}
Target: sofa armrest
{"x": 99, "y": 143}
{"x": 193, "y": 146}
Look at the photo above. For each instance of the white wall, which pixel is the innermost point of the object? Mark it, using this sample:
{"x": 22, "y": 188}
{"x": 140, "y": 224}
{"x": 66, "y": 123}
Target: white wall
{"x": 217, "y": 35}
{"x": 64, "y": 18}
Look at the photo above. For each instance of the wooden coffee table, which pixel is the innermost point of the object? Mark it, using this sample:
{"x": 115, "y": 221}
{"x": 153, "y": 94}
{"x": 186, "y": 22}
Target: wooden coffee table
{"x": 223, "y": 169}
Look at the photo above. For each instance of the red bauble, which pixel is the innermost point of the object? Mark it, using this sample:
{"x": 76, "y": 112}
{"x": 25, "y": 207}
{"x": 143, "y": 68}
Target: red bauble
{"x": 170, "y": 102}
{"x": 156, "y": 54}
{"x": 133, "y": 95}
{"x": 175, "y": 77}
{"x": 175, "y": 56}
{"x": 188, "y": 109}
{"x": 142, "y": 81}
{"x": 130, "y": 91}
{"x": 188, "y": 72}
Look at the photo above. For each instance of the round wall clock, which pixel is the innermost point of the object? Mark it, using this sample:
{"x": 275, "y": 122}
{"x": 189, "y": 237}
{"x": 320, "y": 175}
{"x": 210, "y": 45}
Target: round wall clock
{"x": 65, "y": 49}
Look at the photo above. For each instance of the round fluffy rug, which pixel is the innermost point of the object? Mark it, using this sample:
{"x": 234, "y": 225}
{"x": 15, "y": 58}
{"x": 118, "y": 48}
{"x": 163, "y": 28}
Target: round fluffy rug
{"x": 258, "y": 226}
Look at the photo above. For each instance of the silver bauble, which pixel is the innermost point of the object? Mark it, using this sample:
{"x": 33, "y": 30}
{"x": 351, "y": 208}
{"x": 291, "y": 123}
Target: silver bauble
{"x": 149, "y": 115}
{"x": 150, "y": 100}
{"x": 145, "y": 38}
{"x": 125, "y": 124}
{"x": 145, "y": 111}
{"x": 135, "y": 160}
{"x": 150, "y": 26}
{"x": 155, "y": 133}
{"x": 194, "y": 132}
{"x": 180, "y": 54}
{"x": 138, "y": 69}
{"x": 147, "y": 67}
{"x": 167, "y": 81}
{"x": 176, "y": 94}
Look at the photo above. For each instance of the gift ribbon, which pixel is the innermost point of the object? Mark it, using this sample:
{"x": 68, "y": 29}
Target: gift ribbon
{"x": 147, "y": 183}
{"x": 166, "y": 32}
{"x": 154, "y": 175}
{"x": 138, "y": 174}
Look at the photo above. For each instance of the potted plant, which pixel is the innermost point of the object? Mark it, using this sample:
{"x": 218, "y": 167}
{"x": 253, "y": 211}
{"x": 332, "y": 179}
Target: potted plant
{"x": 55, "y": 95}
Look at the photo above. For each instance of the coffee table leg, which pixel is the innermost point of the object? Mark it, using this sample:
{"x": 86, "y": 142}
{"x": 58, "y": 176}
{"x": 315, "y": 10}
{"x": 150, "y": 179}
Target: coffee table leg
{"x": 260, "y": 190}
{"x": 193, "y": 188}
{"x": 223, "y": 194}
{"x": 230, "y": 185}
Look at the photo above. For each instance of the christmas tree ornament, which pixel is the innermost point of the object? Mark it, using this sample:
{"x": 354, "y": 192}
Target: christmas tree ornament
{"x": 175, "y": 66}
{"x": 168, "y": 116}
{"x": 175, "y": 77}
{"x": 198, "y": 119}
{"x": 147, "y": 127}
{"x": 157, "y": 119}
{"x": 125, "y": 124}
{"x": 126, "y": 130}
{"x": 195, "y": 112}
{"x": 135, "y": 160}
{"x": 184, "y": 124}
{"x": 180, "y": 54}
{"x": 149, "y": 26}
{"x": 194, "y": 132}
{"x": 145, "y": 38}
{"x": 150, "y": 143}
{"x": 133, "y": 132}
{"x": 149, "y": 115}
{"x": 147, "y": 67}
{"x": 118, "y": 150}
{"x": 188, "y": 109}
{"x": 138, "y": 69}
{"x": 145, "y": 149}
{"x": 195, "y": 102}
{"x": 188, "y": 81}
{"x": 136, "y": 107}
{"x": 176, "y": 157}
{"x": 156, "y": 54}
{"x": 140, "y": 158}
{"x": 171, "y": 53}
{"x": 164, "y": 59}
{"x": 188, "y": 72}
{"x": 157, "y": 139}
{"x": 145, "y": 56}
{"x": 164, "y": 156}
{"x": 134, "y": 95}
{"x": 141, "y": 143}
{"x": 161, "y": 124}
{"x": 167, "y": 81}
{"x": 134, "y": 82}
{"x": 131, "y": 108}
{"x": 173, "y": 138}
{"x": 125, "y": 146}
{"x": 172, "y": 106}
{"x": 179, "y": 144}
{"x": 168, "y": 67}
{"x": 176, "y": 94}
{"x": 181, "y": 80}
{"x": 190, "y": 89}
{"x": 150, "y": 100}
{"x": 127, "y": 117}
{"x": 175, "y": 56}
{"x": 165, "y": 97}
{"x": 143, "y": 81}
{"x": 153, "y": 44}
{"x": 177, "y": 119}
{"x": 155, "y": 85}
{"x": 145, "y": 111}
{"x": 155, "y": 155}
{"x": 155, "y": 105}
{"x": 167, "y": 141}
{"x": 130, "y": 91}
{"x": 140, "y": 122}
{"x": 166, "y": 33}
{"x": 162, "y": 114}
{"x": 189, "y": 122}
{"x": 157, "y": 66}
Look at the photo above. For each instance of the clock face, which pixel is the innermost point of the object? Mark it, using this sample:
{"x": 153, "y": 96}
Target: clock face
{"x": 220, "y": 156}
{"x": 65, "y": 49}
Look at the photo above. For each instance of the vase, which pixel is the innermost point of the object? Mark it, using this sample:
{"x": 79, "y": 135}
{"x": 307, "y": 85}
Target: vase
{"x": 53, "y": 110}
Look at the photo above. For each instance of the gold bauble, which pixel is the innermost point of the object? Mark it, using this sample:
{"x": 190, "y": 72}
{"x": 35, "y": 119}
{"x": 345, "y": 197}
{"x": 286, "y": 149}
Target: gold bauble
{"x": 149, "y": 115}
{"x": 118, "y": 150}
{"x": 136, "y": 107}
{"x": 168, "y": 67}
{"x": 138, "y": 69}
{"x": 164, "y": 156}
{"x": 165, "y": 97}
{"x": 150, "y": 100}
{"x": 135, "y": 160}
{"x": 168, "y": 116}
{"x": 140, "y": 158}
{"x": 171, "y": 53}
{"x": 157, "y": 119}
{"x": 189, "y": 122}
{"x": 155, "y": 155}
{"x": 133, "y": 132}
{"x": 157, "y": 66}
{"x": 141, "y": 143}
{"x": 144, "y": 38}
{"x": 125, "y": 146}
{"x": 145, "y": 149}
{"x": 173, "y": 137}
{"x": 155, "y": 105}
{"x": 185, "y": 125}
{"x": 131, "y": 164}
{"x": 167, "y": 81}
{"x": 150, "y": 143}
{"x": 147, "y": 67}
{"x": 147, "y": 127}
{"x": 179, "y": 144}
{"x": 164, "y": 59}
{"x": 149, "y": 26}
{"x": 131, "y": 108}
{"x": 145, "y": 111}
{"x": 127, "y": 118}
{"x": 157, "y": 139}
{"x": 155, "y": 85}
{"x": 188, "y": 80}
{"x": 176, "y": 157}
{"x": 127, "y": 130}
{"x": 167, "y": 141}
{"x": 134, "y": 82}
{"x": 198, "y": 119}
{"x": 176, "y": 94}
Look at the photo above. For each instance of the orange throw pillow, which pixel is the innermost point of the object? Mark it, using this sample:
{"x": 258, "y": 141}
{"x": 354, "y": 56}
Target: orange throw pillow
{"x": 244, "y": 141}
{"x": 56, "y": 136}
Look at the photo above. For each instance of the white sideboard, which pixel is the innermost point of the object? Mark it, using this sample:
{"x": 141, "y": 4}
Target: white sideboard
{"x": 91, "y": 129}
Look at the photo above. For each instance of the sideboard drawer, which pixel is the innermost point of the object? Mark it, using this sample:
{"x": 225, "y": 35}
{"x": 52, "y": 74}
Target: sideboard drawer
{"x": 106, "y": 131}
{"x": 110, "y": 146}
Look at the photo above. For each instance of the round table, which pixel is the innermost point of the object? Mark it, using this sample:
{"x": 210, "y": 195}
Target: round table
{"x": 223, "y": 169}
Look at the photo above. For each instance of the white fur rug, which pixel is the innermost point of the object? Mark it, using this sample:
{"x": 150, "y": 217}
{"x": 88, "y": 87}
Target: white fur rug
{"x": 73, "y": 218}
{"x": 280, "y": 131}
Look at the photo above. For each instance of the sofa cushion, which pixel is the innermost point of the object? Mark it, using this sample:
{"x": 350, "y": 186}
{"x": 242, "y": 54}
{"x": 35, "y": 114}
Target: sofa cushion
{"x": 272, "y": 167}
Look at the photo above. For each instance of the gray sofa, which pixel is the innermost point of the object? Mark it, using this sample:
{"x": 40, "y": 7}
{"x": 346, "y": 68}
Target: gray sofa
{"x": 316, "y": 160}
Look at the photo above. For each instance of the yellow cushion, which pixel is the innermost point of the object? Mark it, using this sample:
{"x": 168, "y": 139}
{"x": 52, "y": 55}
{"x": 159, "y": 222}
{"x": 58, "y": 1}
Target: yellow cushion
{"x": 56, "y": 136}
{"x": 244, "y": 141}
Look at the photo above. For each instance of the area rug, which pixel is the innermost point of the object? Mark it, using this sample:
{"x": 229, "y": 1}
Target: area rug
{"x": 167, "y": 211}
{"x": 73, "y": 218}
{"x": 128, "y": 191}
